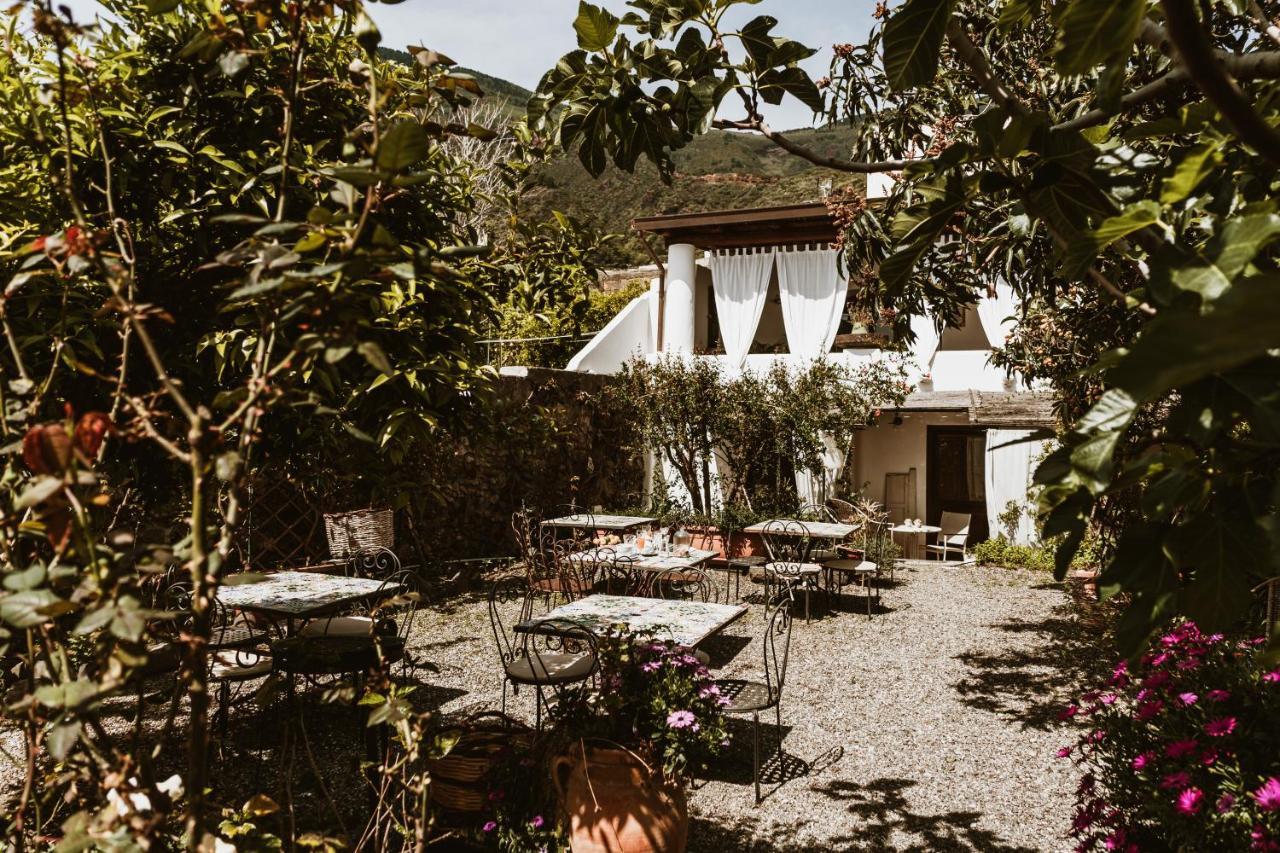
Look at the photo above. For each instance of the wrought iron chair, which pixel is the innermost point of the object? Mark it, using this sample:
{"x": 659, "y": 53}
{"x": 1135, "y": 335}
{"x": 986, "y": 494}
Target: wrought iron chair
{"x": 822, "y": 514}
{"x": 542, "y": 555}
{"x": 686, "y": 584}
{"x": 239, "y": 652}
{"x": 354, "y": 645}
{"x": 788, "y": 544}
{"x": 376, "y": 562}
{"x": 739, "y": 565}
{"x": 855, "y": 563}
{"x": 954, "y": 535}
{"x": 619, "y": 575}
{"x": 752, "y": 697}
{"x": 555, "y": 654}
{"x": 1266, "y": 608}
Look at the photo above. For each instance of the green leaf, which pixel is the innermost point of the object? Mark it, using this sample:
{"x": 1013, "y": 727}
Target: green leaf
{"x": 596, "y": 27}
{"x": 39, "y": 492}
{"x": 159, "y": 7}
{"x": 170, "y": 145}
{"x": 1183, "y": 345}
{"x": 1198, "y": 163}
{"x": 1240, "y": 240}
{"x": 793, "y": 81}
{"x": 375, "y": 356}
{"x": 1088, "y": 244}
{"x": 913, "y": 41}
{"x": 1093, "y": 31}
{"x": 403, "y": 145}
{"x": 757, "y": 41}
{"x": 29, "y": 609}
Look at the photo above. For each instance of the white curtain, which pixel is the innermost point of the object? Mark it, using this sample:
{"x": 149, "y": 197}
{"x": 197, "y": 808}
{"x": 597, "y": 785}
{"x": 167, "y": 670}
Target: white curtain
{"x": 927, "y": 339}
{"x": 1008, "y": 477}
{"x": 997, "y": 314}
{"x": 813, "y": 294}
{"x": 816, "y": 489}
{"x": 740, "y": 281}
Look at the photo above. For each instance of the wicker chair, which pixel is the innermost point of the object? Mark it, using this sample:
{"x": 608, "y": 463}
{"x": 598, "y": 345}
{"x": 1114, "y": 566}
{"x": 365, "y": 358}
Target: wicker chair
{"x": 788, "y": 545}
{"x": 752, "y": 697}
{"x": 954, "y": 535}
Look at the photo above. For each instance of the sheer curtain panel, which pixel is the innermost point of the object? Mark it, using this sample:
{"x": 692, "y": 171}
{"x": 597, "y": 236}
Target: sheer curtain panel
{"x": 740, "y": 281}
{"x": 813, "y": 296}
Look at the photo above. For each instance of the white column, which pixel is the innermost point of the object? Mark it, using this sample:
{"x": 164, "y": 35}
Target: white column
{"x": 682, "y": 272}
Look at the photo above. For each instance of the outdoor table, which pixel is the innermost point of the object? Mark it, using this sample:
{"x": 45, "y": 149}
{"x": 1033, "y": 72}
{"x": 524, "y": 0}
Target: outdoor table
{"x": 832, "y": 530}
{"x": 913, "y": 531}
{"x": 599, "y": 522}
{"x": 647, "y": 563}
{"x": 302, "y": 595}
{"x": 688, "y": 623}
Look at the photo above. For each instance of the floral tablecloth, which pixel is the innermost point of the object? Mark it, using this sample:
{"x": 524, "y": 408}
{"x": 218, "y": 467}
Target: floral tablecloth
{"x": 600, "y": 522}
{"x": 686, "y": 622}
{"x": 654, "y": 563}
{"x": 301, "y": 593}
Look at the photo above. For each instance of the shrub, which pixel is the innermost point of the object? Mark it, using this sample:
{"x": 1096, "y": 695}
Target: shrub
{"x": 1039, "y": 557}
{"x": 1181, "y": 751}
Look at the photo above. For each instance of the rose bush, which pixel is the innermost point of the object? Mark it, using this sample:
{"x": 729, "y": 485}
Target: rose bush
{"x": 1182, "y": 750}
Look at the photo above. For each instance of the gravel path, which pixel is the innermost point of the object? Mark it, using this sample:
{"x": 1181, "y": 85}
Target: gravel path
{"x": 931, "y": 726}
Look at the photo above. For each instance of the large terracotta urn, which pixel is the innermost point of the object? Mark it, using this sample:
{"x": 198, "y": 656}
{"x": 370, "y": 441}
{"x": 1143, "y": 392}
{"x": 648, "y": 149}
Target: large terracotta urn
{"x": 613, "y": 802}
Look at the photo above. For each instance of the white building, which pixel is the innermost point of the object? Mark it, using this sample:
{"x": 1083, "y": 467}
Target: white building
{"x": 750, "y": 287}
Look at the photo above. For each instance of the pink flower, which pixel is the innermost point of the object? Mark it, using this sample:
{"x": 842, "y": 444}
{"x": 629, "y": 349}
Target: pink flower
{"x": 1149, "y": 709}
{"x": 1272, "y": 677}
{"x": 651, "y": 666}
{"x": 1064, "y": 752}
{"x": 1175, "y": 780}
{"x": 1188, "y": 698}
{"x": 1179, "y": 748}
{"x": 1268, "y": 796}
{"x": 537, "y": 822}
{"x": 1156, "y": 679}
{"x": 1189, "y": 663}
{"x": 1225, "y": 802}
{"x": 1220, "y": 727}
{"x": 1068, "y": 712}
{"x": 1190, "y": 800}
{"x": 490, "y": 826}
{"x": 1160, "y": 658}
{"x": 1109, "y": 699}
{"x": 1217, "y": 695}
{"x": 1209, "y": 757}
{"x": 1141, "y": 760}
{"x": 681, "y": 719}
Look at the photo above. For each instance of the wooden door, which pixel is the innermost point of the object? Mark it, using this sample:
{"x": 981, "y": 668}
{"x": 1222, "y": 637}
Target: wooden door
{"x": 957, "y": 476}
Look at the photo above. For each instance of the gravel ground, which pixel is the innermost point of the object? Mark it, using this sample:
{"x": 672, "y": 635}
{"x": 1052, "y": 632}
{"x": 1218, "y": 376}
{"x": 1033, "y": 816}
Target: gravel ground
{"x": 931, "y": 726}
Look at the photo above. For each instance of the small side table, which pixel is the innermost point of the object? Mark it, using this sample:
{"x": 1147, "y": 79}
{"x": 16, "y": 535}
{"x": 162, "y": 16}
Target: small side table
{"x": 911, "y": 532}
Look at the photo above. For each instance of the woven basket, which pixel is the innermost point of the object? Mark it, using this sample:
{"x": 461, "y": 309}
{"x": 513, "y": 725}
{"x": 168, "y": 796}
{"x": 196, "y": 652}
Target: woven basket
{"x": 459, "y": 780}
{"x": 352, "y": 532}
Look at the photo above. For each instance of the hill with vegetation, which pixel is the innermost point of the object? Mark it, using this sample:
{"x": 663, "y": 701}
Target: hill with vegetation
{"x": 716, "y": 171}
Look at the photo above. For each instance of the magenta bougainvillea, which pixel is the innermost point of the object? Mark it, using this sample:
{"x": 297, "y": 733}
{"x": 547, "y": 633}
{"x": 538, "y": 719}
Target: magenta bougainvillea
{"x": 1181, "y": 751}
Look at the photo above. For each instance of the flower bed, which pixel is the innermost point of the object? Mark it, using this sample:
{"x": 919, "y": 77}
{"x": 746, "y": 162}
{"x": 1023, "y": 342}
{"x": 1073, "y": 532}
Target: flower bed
{"x": 1181, "y": 751}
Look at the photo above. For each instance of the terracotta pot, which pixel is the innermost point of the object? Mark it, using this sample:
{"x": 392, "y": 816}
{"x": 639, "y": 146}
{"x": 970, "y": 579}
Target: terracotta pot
{"x": 614, "y": 803}
{"x": 712, "y": 539}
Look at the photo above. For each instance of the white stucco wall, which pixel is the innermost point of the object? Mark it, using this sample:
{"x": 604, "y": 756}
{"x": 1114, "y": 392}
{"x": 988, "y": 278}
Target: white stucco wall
{"x": 628, "y": 335}
{"x": 886, "y": 449}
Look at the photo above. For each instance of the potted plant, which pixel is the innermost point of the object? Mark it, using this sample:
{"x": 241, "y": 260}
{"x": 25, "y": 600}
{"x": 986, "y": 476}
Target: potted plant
{"x": 627, "y": 750}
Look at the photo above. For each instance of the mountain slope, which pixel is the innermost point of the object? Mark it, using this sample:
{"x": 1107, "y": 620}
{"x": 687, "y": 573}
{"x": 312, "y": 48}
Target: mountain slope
{"x": 715, "y": 171}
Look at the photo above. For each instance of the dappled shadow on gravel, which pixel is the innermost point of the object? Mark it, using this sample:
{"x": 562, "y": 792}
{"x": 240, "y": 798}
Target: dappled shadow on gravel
{"x": 882, "y": 809}
{"x": 1030, "y": 679}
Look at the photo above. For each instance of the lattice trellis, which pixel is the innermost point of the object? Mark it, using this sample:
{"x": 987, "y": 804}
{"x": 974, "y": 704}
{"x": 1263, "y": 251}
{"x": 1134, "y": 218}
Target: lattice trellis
{"x": 282, "y": 527}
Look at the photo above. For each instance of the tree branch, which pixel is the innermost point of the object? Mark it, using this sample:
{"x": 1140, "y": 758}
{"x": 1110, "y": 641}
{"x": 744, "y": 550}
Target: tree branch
{"x": 981, "y": 69}
{"x": 1201, "y": 63}
{"x": 758, "y": 125}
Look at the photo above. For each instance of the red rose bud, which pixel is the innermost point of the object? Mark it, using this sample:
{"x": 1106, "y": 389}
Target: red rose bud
{"x": 90, "y": 431}
{"x": 46, "y": 449}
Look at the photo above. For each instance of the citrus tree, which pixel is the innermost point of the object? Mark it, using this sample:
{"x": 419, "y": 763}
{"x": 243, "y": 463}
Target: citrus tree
{"x": 1126, "y": 148}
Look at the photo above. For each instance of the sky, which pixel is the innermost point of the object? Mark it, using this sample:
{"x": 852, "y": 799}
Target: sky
{"x": 518, "y": 40}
